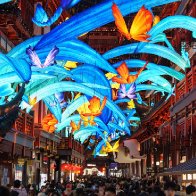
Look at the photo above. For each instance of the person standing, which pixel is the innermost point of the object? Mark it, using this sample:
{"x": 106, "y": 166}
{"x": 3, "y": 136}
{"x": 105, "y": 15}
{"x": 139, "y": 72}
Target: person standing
{"x": 42, "y": 191}
{"x": 18, "y": 189}
{"x": 4, "y": 191}
{"x": 191, "y": 190}
{"x": 118, "y": 188}
{"x": 110, "y": 191}
{"x": 101, "y": 190}
{"x": 170, "y": 188}
{"x": 68, "y": 190}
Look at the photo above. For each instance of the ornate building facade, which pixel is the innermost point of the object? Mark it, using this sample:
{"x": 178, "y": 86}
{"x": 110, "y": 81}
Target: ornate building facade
{"x": 168, "y": 132}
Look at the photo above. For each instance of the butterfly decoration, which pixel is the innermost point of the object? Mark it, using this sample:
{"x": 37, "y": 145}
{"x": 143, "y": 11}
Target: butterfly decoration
{"x": 35, "y": 61}
{"x": 126, "y": 78}
{"x": 32, "y": 101}
{"x": 122, "y": 93}
{"x": 141, "y": 24}
{"x": 88, "y": 120}
{"x": 102, "y": 152}
{"x": 110, "y": 148}
{"x": 49, "y": 122}
{"x": 41, "y": 17}
{"x": 95, "y": 106}
{"x": 84, "y": 108}
{"x": 74, "y": 126}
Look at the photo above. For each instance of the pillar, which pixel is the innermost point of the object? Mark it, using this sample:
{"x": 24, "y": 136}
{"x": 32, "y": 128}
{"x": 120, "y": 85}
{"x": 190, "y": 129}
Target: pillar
{"x": 48, "y": 174}
{"x": 24, "y": 174}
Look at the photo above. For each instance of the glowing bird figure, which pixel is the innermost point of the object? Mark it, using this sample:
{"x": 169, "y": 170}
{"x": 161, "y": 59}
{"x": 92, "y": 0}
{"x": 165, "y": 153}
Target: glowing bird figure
{"x": 142, "y": 23}
{"x": 126, "y": 78}
{"x": 110, "y": 148}
{"x": 74, "y": 126}
{"x": 36, "y": 61}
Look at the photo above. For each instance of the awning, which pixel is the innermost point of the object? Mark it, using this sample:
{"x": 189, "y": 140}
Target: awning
{"x": 187, "y": 167}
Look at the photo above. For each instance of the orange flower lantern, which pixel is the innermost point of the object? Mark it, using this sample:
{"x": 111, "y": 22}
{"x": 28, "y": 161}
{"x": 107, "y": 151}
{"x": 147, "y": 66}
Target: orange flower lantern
{"x": 49, "y": 122}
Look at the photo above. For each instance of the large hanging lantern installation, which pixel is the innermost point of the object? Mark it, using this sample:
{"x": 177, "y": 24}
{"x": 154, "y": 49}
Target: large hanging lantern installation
{"x": 103, "y": 87}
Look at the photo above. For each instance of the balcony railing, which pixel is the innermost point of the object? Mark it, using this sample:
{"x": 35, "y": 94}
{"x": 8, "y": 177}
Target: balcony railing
{"x": 24, "y": 124}
{"x": 19, "y": 15}
{"x": 70, "y": 143}
{"x": 186, "y": 85}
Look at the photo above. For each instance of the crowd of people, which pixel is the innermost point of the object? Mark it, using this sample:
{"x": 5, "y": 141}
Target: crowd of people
{"x": 97, "y": 186}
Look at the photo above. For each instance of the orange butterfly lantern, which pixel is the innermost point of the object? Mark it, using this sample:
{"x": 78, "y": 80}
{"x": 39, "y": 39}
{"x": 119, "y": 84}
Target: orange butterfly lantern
{"x": 142, "y": 23}
{"x": 74, "y": 126}
{"x": 95, "y": 108}
{"x": 49, "y": 122}
{"x": 126, "y": 78}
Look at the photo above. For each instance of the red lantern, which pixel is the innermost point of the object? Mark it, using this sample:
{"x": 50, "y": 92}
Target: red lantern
{"x": 65, "y": 166}
{"x": 70, "y": 167}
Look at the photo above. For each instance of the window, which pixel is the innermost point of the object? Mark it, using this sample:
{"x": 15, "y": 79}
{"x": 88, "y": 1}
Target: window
{"x": 8, "y": 48}
{"x": 3, "y": 43}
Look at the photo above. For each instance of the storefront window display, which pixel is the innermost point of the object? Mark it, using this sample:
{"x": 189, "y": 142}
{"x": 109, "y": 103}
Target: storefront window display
{"x": 18, "y": 172}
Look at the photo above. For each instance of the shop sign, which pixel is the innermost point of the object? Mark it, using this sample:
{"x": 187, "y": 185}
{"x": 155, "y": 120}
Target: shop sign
{"x": 21, "y": 161}
{"x": 91, "y": 165}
